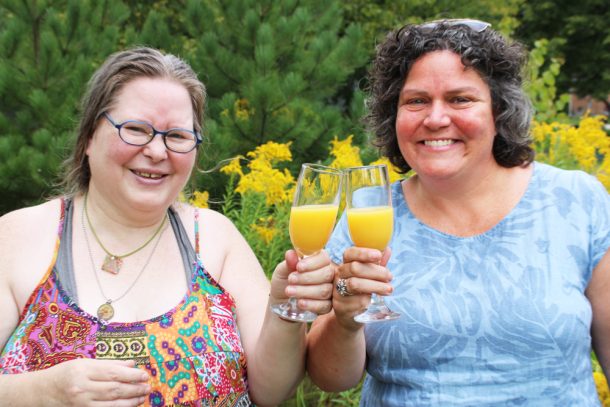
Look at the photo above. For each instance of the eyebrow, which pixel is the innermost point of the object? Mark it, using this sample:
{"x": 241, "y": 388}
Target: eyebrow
{"x": 463, "y": 89}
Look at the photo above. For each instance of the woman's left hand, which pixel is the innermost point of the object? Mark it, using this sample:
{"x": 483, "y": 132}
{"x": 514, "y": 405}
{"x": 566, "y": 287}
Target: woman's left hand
{"x": 310, "y": 280}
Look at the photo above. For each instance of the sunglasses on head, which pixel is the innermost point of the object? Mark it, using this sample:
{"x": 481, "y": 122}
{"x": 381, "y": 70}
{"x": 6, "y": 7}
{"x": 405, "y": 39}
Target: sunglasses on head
{"x": 475, "y": 25}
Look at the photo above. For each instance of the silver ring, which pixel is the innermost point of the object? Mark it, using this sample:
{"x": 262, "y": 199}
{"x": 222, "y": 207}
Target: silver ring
{"x": 342, "y": 288}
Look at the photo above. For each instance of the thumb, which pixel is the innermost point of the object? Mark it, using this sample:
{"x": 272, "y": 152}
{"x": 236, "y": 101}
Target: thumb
{"x": 292, "y": 259}
{"x": 385, "y": 257}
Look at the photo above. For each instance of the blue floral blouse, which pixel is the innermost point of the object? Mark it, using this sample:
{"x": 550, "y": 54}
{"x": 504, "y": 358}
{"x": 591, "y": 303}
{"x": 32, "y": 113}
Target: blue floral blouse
{"x": 497, "y": 319}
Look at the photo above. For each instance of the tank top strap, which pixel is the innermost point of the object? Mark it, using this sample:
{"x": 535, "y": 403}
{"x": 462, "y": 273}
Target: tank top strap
{"x": 197, "y": 233}
{"x": 63, "y": 266}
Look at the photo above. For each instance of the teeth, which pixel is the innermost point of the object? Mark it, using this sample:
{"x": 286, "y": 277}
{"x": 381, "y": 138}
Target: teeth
{"x": 148, "y": 175}
{"x": 438, "y": 143}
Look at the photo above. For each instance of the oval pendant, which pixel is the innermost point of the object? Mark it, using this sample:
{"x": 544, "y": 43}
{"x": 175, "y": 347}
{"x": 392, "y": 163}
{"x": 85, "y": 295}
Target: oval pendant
{"x": 105, "y": 311}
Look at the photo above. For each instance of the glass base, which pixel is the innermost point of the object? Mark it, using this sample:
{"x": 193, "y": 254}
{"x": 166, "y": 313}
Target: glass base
{"x": 292, "y": 313}
{"x": 376, "y": 313}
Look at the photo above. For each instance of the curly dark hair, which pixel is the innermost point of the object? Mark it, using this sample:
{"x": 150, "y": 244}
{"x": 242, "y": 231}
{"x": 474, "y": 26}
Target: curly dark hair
{"x": 498, "y": 62}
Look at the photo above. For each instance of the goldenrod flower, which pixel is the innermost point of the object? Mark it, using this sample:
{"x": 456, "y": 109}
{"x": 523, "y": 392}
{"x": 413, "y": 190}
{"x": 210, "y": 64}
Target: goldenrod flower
{"x": 602, "y": 388}
{"x": 242, "y": 109}
{"x": 345, "y": 154}
{"x": 392, "y": 170}
{"x": 200, "y": 199}
{"x": 585, "y": 147}
{"x": 277, "y": 185}
{"x": 234, "y": 167}
{"x": 265, "y": 228}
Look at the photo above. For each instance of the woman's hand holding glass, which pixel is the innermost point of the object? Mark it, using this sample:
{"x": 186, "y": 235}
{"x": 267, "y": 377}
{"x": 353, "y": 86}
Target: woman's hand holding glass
{"x": 370, "y": 221}
{"x": 312, "y": 218}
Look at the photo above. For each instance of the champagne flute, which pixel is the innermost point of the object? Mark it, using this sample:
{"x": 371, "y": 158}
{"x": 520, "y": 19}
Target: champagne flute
{"x": 312, "y": 218}
{"x": 370, "y": 220}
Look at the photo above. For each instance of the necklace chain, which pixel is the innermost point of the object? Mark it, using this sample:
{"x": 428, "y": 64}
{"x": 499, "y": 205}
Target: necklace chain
{"x": 106, "y": 311}
{"x": 113, "y": 262}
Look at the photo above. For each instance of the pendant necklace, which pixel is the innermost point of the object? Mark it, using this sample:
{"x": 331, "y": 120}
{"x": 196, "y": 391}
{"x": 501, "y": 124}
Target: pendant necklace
{"x": 105, "y": 312}
{"x": 113, "y": 262}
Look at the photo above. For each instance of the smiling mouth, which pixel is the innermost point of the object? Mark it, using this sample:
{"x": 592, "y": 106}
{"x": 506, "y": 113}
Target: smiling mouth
{"x": 148, "y": 175}
{"x": 438, "y": 143}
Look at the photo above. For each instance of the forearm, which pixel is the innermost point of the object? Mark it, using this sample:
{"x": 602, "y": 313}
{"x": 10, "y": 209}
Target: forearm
{"x": 277, "y": 365}
{"x": 336, "y": 356}
{"x": 22, "y": 389}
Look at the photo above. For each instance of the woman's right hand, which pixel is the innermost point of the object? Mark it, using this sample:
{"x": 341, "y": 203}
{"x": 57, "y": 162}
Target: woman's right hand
{"x": 88, "y": 382}
{"x": 364, "y": 272}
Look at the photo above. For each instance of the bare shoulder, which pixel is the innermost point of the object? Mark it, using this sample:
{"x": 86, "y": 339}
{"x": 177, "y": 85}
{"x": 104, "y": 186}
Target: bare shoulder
{"x": 210, "y": 222}
{"x": 27, "y": 243}
{"x": 218, "y": 237}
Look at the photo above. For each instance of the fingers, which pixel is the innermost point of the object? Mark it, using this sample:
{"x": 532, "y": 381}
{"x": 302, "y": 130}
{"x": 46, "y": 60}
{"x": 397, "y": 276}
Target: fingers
{"x": 313, "y": 262}
{"x": 118, "y": 371}
{"x": 362, "y": 254}
{"x": 370, "y": 271}
{"x": 355, "y": 285}
{"x": 107, "y": 391}
{"x": 120, "y": 403}
{"x": 320, "y": 307}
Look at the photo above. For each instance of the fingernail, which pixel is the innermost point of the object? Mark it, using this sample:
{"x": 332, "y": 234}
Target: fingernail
{"x": 291, "y": 291}
{"x": 293, "y": 278}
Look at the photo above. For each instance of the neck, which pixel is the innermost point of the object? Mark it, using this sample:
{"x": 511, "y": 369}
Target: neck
{"x": 107, "y": 213}
{"x": 468, "y": 208}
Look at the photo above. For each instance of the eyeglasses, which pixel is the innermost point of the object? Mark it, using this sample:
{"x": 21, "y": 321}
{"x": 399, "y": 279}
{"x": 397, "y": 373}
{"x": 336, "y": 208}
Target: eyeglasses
{"x": 475, "y": 25}
{"x": 137, "y": 133}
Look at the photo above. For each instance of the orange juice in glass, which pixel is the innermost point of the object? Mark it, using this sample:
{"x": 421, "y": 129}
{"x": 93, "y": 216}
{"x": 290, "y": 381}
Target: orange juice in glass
{"x": 310, "y": 227}
{"x": 360, "y": 220}
{"x": 312, "y": 218}
{"x": 370, "y": 220}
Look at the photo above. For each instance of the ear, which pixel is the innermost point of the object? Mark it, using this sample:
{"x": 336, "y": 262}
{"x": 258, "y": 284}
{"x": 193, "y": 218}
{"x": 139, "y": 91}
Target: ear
{"x": 89, "y": 142}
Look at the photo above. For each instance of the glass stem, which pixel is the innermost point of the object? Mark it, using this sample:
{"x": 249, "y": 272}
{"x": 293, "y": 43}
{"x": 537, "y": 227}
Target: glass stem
{"x": 293, "y": 304}
{"x": 376, "y": 300}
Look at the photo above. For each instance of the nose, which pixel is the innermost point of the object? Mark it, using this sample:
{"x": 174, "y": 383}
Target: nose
{"x": 437, "y": 116}
{"x": 156, "y": 149}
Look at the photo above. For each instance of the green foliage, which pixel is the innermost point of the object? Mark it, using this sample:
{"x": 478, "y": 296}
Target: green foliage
{"x": 580, "y": 35}
{"x": 273, "y": 69}
{"x": 248, "y": 209}
{"x": 48, "y": 51}
{"x": 308, "y": 394}
{"x": 379, "y": 17}
{"x": 542, "y": 88}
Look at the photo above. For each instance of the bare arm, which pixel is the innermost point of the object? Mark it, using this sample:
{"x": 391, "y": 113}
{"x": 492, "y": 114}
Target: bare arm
{"x": 336, "y": 345}
{"x": 275, "y": 348}
{"x": 81, "y": 382}
{"x": 598, "y": 293}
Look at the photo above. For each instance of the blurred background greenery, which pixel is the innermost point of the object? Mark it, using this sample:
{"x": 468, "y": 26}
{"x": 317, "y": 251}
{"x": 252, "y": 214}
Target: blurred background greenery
{"x": 285, "y": 80}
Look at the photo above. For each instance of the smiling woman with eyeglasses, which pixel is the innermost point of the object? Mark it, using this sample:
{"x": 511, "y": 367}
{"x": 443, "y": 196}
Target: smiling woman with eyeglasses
{"x": 499, "y": 265}
{"x": 116, "y": 294}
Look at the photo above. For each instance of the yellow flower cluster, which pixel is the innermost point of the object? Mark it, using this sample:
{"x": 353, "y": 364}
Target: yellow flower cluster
{"x": 265, "y": 229}
{"x": 242, "y": 109}
{"x": 602, "y": 388}
{"x": 278, "y": 186}
{"x": 585, "y": 146}
{"x": 200, "y": 199}
{"x": 345, "y": 154}
{"x": 392, "y": 170}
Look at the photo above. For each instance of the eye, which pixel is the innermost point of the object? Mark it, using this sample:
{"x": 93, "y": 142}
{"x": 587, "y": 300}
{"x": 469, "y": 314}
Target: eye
{"x": 137, "y": 129}
{"x": 180, "y": 136}
{"x": 460, "y": 99}
{"x": 415, "y": 101}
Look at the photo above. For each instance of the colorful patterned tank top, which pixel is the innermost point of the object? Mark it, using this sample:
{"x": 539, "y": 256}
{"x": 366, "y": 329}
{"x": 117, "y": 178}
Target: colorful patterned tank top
{"x": 192, "y": 353}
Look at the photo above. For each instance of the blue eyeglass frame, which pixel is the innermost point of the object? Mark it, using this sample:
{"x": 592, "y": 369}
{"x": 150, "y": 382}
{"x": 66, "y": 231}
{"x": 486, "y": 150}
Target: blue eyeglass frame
{"x": 198, "y": 138}
{"x": 475, "y": 25}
